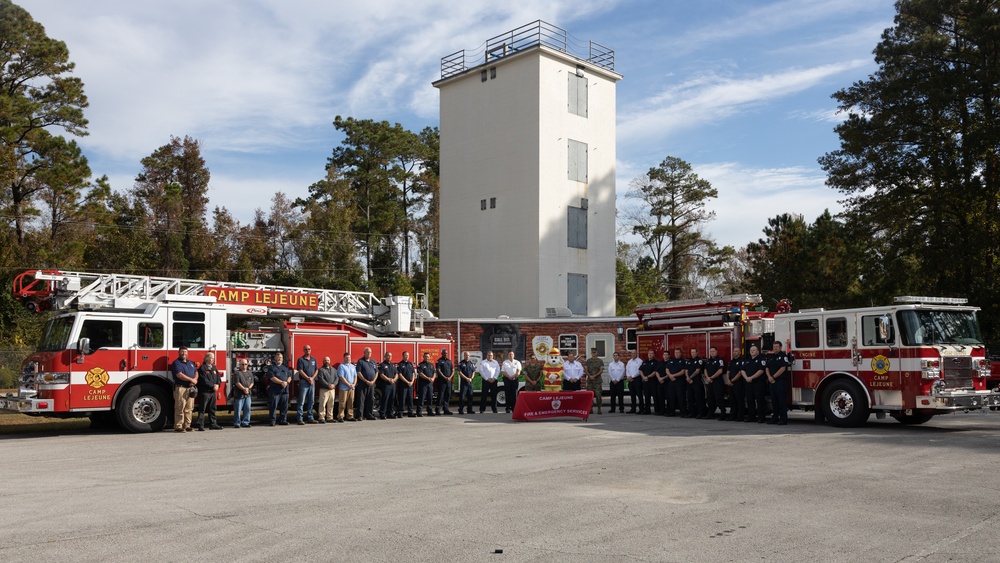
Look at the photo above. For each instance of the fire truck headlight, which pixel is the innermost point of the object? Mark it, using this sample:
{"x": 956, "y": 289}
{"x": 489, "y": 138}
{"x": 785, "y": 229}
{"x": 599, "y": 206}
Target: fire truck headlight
{"x": 55, "y": 377}
{"x": 930, "y": 369}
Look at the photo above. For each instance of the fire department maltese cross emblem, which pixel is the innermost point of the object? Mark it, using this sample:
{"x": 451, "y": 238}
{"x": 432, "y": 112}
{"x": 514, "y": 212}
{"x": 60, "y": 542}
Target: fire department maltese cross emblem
{"x": 97, "y": 378}
{"x": 556, "y": 403}
{"x": 880, "y": 364}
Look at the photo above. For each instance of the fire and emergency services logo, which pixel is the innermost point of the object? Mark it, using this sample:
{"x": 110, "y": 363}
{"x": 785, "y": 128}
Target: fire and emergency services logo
{"x": 556, "y": 403}
{"x": 97, "y": 378}
{"x": 880, "y": 364}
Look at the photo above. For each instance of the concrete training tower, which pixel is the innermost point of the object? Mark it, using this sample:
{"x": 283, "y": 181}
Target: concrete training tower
{"x": 528, "y": 177}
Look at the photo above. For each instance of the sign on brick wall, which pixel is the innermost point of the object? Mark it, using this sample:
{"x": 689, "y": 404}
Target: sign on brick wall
{"x": 568, "y": 343}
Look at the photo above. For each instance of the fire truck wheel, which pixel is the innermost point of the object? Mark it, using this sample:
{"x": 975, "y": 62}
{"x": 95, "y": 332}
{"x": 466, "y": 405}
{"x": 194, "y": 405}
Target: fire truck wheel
{"x": 845, "y": 404}
{"x": 143, "y": 408}
{"x": 912, "y": 418}
{"x": 501, "y": 398}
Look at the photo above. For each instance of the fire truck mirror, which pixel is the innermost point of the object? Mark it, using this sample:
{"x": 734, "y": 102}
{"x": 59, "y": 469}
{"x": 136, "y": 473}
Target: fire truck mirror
{"x": 83, "y": 346}
{"x": 885, "y": 334}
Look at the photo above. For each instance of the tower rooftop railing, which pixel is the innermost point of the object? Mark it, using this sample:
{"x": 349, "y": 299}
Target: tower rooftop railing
{"x": 536, "y": 33}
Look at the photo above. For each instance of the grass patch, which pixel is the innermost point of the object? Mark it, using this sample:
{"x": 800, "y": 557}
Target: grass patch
{"x": 24, "y": 424}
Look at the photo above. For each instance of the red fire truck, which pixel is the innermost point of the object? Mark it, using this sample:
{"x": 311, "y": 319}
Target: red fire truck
{"x": 106, "y": 351}
{"x": 917, "y": 358}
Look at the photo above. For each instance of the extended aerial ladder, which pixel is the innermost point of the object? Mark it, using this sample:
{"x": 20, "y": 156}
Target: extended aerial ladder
{"x": 706, "y": 311}
{"x": 64, "y": 290}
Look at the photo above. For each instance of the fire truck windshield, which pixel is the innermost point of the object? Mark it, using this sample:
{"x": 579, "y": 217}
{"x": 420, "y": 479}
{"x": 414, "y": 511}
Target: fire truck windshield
{"x": 55, "y": 335}
{"x": 922, "y": 328}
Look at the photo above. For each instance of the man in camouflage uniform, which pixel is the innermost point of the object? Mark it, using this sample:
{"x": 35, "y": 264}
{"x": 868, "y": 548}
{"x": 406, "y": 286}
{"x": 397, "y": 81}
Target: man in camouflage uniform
{"x": 595, "y": 368}
{"x": 533, "y": 375}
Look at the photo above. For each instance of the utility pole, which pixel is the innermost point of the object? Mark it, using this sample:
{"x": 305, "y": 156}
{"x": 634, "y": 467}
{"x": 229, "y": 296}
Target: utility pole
{"x": 427, "y": 274}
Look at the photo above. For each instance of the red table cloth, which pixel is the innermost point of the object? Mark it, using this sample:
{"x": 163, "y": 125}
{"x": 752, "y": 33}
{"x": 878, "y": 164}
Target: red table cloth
{"x": 532, "y": 405}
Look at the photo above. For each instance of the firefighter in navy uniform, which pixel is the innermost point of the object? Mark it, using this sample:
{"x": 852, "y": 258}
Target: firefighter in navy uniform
{"x": 425, "y": 385}
{"x": 779, "y": 365}
{"x": 715, "y": 367}
{"x": 753, "y": 372}
{"x": 466, "y": 370}
{"x": 364, "y": 395}
{"x": 696, "y": 386}
{"x": 649, "y": 370}
{"x": 387, "y": 378}
{"x": 404, "y": 386}
{"x": 738, "y": 390}
{"x": 443, "y": 382}
{"x": 676, "y": 374}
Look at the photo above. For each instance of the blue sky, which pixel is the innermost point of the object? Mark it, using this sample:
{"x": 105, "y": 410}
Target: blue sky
{"x": 740, "y": 89}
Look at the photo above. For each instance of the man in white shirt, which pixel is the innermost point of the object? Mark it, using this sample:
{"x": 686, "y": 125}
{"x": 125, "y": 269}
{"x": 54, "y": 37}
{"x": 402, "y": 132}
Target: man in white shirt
{"x": 635, "y": 382}
{"x": 616, "y": 371}
{"x": 489, "y": 371}
{"x": 572, "y": 373}
{"x": 511, "y": 370}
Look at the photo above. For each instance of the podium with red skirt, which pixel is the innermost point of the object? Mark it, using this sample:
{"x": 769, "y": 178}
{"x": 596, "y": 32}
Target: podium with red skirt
{"x": 534, "y": 405}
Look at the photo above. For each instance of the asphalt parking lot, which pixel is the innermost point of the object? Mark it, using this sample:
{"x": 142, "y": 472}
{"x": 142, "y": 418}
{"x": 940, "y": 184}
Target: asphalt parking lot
{"x": 461, "y": 488}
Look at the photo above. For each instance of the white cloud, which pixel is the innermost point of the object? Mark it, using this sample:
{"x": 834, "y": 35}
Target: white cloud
{"x": 257, "y": 75}
{"x": 749, "y": 196}
{"x": 831, "y": 115}
{"x": 243, "y": 195}
{"x": 707, "y": 98}
{"x": 862, "y": 38}
{"x": 768, "y": 19}
{"x": 260, "y": 80}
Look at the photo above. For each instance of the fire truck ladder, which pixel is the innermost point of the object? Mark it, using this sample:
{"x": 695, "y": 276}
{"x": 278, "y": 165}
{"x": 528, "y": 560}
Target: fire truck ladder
{"x": 693, "y": 311}
{"x": 83, "y": 290}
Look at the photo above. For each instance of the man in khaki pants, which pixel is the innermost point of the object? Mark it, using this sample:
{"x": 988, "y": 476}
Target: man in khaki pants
{"x": 347, "y": 378}
{"x": 326, "y": 382}
{"x": 185, "y": 378}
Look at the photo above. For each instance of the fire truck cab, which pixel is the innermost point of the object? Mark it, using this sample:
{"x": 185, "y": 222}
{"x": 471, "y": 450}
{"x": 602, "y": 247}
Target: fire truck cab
{"x": 912, "y": 360}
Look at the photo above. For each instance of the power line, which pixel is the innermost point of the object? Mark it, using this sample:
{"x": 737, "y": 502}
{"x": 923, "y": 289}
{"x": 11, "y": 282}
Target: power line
{"x": 160, "y": 230}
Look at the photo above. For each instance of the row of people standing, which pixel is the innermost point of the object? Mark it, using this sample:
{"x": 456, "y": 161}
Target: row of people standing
{"x": 491, "y": 372}
{"x": 693, "y": 387}
{"x": 352, "y": 386}
{"x": 355, "y": 385}
{"x": 575, "y": 376}
{"x": 696, "y": 387}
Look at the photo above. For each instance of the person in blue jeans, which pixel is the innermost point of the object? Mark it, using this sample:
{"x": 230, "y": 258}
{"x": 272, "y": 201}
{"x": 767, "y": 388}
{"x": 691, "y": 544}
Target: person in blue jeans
{"x": 278, "y": 378}
{"x": 242, "y": 385}
{"x": 306, "y": 369}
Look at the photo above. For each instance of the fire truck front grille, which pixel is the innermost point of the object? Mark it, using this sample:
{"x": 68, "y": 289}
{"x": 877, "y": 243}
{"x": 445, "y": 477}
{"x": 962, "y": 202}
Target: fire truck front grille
{"x": 957, "y": 372}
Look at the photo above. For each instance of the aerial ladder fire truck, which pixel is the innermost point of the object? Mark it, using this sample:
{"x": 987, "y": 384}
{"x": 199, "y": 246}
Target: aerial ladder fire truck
{"x": 106, "y": 350}
{"x": 912, "y": 360}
